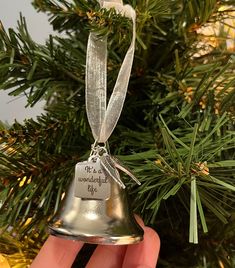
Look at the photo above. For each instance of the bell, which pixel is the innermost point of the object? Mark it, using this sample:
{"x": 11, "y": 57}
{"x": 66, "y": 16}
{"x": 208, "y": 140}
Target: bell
{"x": 109, "y": 221}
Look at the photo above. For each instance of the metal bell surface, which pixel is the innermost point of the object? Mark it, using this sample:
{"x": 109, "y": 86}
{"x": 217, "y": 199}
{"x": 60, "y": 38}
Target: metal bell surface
{"x": 109, "y": 222}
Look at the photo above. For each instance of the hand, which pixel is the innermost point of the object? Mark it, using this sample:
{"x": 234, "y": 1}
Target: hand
{"x": 61, "y": 253}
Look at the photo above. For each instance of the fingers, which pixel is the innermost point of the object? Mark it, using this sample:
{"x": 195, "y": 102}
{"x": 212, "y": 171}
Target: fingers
{"x": 142, "y": 255}
{"x": 145, "y": 254}
{"x": 107, "y": 257}
{"x": 57, "y": 253}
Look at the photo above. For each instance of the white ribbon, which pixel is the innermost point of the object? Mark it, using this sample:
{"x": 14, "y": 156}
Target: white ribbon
{"x": 103, "y": 119}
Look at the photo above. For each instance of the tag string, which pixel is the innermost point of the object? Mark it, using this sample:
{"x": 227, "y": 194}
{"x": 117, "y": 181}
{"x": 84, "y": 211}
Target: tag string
{"x": 103, "y": 118}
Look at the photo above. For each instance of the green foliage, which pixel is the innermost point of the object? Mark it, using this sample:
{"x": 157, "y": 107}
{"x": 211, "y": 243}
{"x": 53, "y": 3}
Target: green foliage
{"x": 176, "y": 130}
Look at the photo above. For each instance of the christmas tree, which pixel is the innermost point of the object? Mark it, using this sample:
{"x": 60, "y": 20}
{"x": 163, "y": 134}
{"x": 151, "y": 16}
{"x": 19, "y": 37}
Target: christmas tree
{"x": 176, "y": 131}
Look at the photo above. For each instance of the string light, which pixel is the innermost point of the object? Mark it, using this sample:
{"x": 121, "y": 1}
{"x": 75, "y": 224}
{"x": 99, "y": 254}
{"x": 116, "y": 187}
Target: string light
{"x": 3, "y": 262}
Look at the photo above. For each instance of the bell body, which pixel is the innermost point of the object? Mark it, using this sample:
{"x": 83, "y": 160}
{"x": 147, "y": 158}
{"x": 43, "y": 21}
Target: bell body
{"x": 107, "y": 221}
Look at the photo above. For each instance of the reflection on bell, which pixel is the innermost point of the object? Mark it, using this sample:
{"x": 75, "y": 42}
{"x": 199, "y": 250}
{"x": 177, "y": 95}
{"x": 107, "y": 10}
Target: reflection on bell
{"x": 107, "y": 221}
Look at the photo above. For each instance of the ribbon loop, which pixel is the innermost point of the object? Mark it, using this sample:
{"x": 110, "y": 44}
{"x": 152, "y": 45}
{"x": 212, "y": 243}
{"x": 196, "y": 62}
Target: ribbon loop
{"x": 103, "y": 121}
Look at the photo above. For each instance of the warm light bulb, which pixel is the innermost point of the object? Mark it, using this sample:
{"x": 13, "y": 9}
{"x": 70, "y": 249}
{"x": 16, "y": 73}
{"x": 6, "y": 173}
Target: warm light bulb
{"x": 3, "y": 262}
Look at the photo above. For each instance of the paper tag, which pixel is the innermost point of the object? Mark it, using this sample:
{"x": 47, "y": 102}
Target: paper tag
{"x": 91, "y": 182}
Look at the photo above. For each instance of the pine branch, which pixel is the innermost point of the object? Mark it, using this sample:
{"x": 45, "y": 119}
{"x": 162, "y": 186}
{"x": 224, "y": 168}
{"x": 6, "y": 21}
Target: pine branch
{"x": 38, "y": 160}
{"x": 176, "y": 129}
{"x": 169, "y": 175}
{"x": 33, "y": 69}
{"x": 82, "y": 16}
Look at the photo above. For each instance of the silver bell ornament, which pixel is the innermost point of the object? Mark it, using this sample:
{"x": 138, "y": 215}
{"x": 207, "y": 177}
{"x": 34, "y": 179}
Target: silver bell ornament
{"x": 95, "y": 208}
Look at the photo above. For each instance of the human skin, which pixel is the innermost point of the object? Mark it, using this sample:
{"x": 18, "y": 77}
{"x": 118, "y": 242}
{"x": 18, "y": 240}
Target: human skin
{"x": 61, "y": 253}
